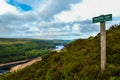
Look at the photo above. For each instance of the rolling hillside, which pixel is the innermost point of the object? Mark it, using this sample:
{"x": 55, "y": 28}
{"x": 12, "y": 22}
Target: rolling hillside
{"x": 80, "y": 60}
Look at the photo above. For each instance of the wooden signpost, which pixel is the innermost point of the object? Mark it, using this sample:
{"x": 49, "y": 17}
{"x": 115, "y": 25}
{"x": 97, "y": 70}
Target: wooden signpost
{"x": 102, "y": 20}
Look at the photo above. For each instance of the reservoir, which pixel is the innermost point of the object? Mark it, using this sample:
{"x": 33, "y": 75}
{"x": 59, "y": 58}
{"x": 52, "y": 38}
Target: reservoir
{"x": 58, "y": 48}
{"x": 3, "y": 71}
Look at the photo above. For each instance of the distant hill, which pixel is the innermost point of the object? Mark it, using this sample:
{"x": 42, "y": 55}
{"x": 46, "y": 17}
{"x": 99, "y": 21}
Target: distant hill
{"x": 80, "y": 60}
{"x": 24, "y": 40}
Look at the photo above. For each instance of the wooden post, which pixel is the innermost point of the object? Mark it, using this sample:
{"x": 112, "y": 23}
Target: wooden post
{"x": 103, "y": 45}
{"x": 102, "y": 19}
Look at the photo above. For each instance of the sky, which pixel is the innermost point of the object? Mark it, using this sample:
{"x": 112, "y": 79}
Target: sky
{"x": 54, "y": 19}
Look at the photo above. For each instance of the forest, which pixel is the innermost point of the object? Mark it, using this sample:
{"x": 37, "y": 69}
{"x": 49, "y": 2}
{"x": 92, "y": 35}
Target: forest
{"x": 20, "y": 49}
{"x": 80, "y": 60}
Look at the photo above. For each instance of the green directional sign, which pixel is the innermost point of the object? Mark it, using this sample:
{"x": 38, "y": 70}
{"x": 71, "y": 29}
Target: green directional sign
{"x": 102, "y": 18}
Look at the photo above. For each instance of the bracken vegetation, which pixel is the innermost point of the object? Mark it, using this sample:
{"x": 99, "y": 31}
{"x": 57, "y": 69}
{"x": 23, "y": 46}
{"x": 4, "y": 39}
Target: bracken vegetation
{"x": 80, "y": 60}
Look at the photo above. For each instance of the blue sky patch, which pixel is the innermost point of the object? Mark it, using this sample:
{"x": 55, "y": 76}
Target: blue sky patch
{"x": 20, "y": 6}
{"x": 25, "y": 7}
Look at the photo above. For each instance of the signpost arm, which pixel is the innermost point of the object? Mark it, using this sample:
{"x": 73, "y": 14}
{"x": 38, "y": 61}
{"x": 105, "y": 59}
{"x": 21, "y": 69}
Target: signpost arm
{"x": 103, "y": 45}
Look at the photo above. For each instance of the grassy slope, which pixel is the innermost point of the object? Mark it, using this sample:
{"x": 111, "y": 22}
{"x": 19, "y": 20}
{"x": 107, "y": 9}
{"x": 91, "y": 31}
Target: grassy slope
{"x": 80, "y": 60}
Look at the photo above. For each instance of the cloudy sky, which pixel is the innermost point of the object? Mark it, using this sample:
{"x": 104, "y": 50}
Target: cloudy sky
{"x": 54, "y": 19}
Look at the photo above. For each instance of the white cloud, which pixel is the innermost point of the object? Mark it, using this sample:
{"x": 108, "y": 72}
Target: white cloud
{"x": 76, "y": 28}
{"x": 88, "y": 9}
{"x": 6, "y": 8}
{"x": 67, "y": 27}
{"x": 67, "y": 16}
